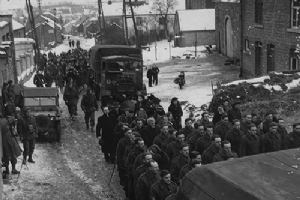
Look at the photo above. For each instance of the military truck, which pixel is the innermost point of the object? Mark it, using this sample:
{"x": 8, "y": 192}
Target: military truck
{"x": 43, "y": 104}
{"x": 118, "y": 70}
{"x": 270, "y": 176}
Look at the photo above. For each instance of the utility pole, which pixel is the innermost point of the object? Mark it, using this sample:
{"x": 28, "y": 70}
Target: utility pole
{"x": 40, "y": 6}
{"x": 125, "y": 27}
{"x": 242, "y": 37}
{"x": 33, "y": 32}
{"x": 138, "y": 45}
{"x": 99, "y": 19}
{"x": 196, "y": 41}
{"x": 55, "y": 39}
{"x": 101, "y": 22}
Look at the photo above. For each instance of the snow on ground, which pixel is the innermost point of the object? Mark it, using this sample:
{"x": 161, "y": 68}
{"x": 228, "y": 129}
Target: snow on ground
{"x": 163, "y": 52}
{"x": 29, "y": 83}
{"x": 293, "y": 84}
{"x": 64, "y": 47}
{"x": 198, "y": 74}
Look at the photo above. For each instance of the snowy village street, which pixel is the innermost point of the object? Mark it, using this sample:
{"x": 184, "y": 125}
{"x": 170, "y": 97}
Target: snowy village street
{"x": 75, "y": 168}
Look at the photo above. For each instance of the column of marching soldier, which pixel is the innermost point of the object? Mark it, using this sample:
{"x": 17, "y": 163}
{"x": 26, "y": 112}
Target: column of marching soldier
{"x": 153, "y": 152}
{"x": 149, "y": 146}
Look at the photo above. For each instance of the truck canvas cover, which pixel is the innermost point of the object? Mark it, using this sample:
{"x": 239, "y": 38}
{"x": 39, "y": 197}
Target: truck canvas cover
{"x": 271, "y": 176}
{"x": 40, "y": 92}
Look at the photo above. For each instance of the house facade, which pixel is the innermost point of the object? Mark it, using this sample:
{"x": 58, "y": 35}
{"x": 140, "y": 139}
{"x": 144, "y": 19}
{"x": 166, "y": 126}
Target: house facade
{"x": 267, "y": 38}
{"x": 46, "y": 32}
{"x": 24, "y": 57}
{"x": 19, "y": 29}
{"x": 228, "y": 34}
{"x": 194, "y": 27}
{"x": 7, "y": 49}
{"x": 271, "y": 34}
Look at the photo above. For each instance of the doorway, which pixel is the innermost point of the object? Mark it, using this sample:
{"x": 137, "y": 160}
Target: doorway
{"x": 258, "y": 60}
{"x": 228, "y": 38}
{"x": 270, "y": 57}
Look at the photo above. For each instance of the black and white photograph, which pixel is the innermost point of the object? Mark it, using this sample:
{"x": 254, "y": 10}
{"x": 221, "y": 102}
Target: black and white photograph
{"x": 150, "y": 99}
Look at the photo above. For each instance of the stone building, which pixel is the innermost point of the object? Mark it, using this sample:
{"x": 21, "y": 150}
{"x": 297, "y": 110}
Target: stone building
{"x": 270, "y": 34}
{"x": 228, "y": 32}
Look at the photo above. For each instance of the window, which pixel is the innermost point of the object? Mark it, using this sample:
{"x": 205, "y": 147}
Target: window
{"x": 247, "y": 47}
{"x": 295, "y": 21}
{"x": 294, "y": 60}
{"x": 258, "y": 11}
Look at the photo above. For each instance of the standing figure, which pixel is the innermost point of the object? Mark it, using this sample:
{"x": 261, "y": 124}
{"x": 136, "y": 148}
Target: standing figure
{"x": 104, "y": 129}
{"x": 26, "y": 128}
{"x": 89, "y": 106}
{"x": 70, "y": 43}
{"x": 176, "y": 111}
{"x": 11, "y": 148}
{"x": 155, "y": 70}
{"x": 163, "y": 188}
{"x": 71, "y": 98}
{"x": 150, "y": 76}
{"x": 39, "y": 79}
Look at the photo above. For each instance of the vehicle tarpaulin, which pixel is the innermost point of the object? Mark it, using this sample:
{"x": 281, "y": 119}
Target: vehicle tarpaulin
{"x": 40, "y": 92}
{"x": 271, "y": 176}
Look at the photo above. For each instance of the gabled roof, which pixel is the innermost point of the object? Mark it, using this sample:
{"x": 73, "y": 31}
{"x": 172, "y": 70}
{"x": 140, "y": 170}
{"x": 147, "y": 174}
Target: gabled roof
{"x": 16, "y": 25}
{"x": 196, "y": 20}
{"x": 50, "y": 22}
{"x": 23, "y": 40}
{"x": 3, "y": 23}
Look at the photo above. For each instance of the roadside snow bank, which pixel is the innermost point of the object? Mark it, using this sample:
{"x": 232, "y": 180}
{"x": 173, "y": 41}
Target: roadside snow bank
{"x": 276, "y": 81}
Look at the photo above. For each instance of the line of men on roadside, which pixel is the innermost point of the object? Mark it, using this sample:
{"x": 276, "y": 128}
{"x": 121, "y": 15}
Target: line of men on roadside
{"x": 153, "y": 155}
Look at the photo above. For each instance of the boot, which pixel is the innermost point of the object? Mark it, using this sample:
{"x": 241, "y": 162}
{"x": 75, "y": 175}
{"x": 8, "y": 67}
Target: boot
{"x": 87, "y": 126}
{"x": 14, "y": 171}
{"x": 6, "y": 172}
{"x": 24, "y": 160}
{"x": 30, "y": 159}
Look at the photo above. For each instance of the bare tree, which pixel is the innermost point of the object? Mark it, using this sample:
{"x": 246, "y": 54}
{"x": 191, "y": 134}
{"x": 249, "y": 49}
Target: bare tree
{"x": 163, "y": 7}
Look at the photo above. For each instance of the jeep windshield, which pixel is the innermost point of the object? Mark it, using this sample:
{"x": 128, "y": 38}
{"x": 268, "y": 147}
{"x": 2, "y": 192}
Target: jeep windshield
{"x": 121, "y": 64}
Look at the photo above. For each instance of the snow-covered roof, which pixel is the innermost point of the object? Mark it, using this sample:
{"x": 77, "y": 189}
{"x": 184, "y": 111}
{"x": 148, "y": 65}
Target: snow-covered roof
{"x": 3, "y": 23}
{"x": 23, "y": 40}
{"x": 2, "y": 52}
{"x": 93, "y": 19}
{"x": 49, "y": 13}
{"x": 16, "y": 25}
{"x": 50, "y": 22}
{"x": 196, "y": 20}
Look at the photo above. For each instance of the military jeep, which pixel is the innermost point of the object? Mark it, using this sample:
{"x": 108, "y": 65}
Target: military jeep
{"x": 43, "y": 104}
